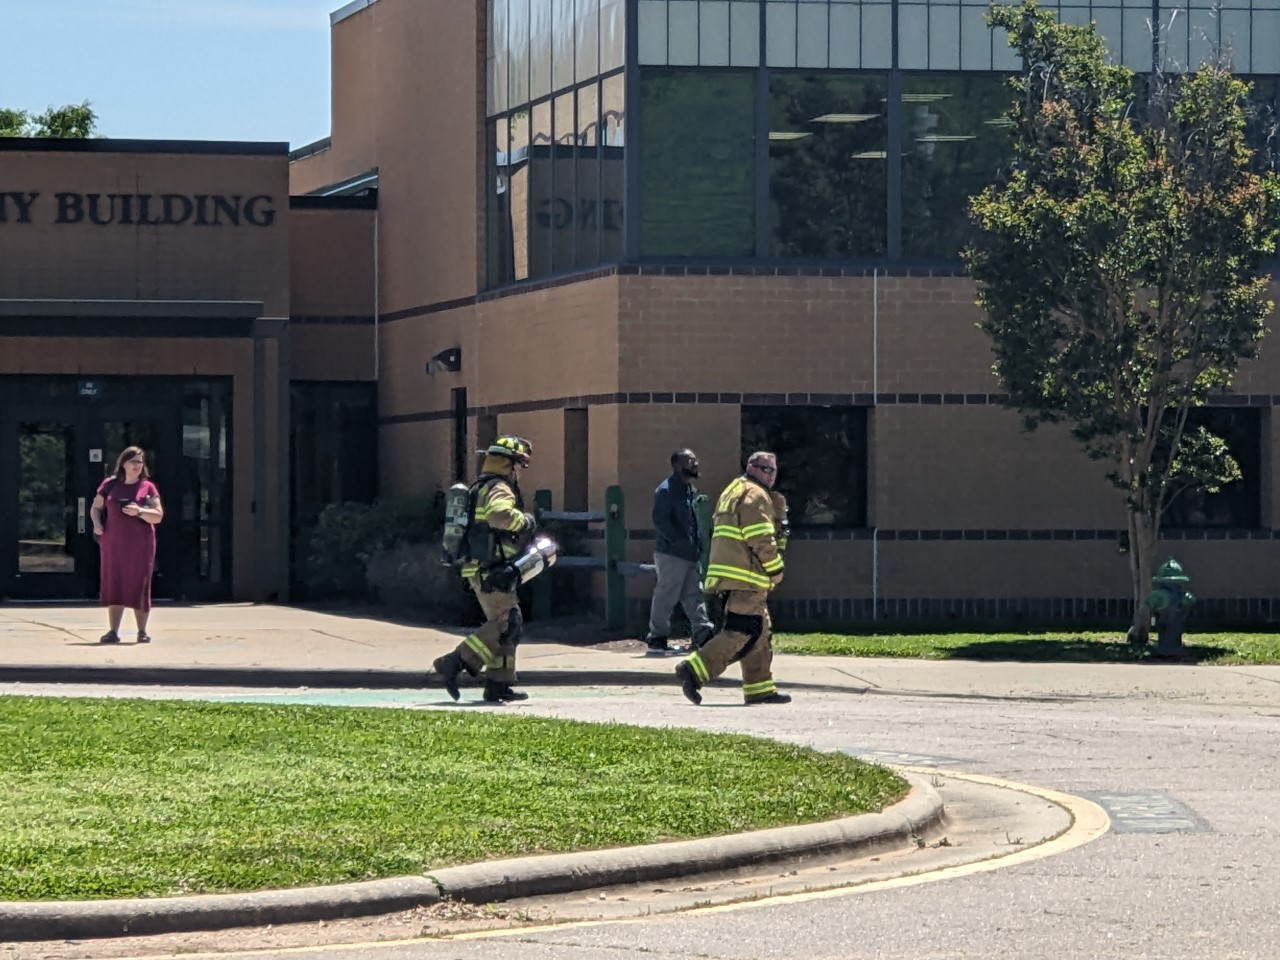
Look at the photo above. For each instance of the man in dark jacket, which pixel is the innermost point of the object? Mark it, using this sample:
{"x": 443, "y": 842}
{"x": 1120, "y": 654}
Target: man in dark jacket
{"x": 676, "y": 554}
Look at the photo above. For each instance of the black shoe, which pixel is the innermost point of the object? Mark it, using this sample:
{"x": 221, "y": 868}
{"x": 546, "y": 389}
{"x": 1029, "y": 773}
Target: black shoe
{"x": 502, "y": 693}
{"x": 109, "y": 637}
{"x": 450, "y": 666}
{"x": 774, "y": 697}
{"x": 688, "y": 683}
{"x": 658, "y": 647}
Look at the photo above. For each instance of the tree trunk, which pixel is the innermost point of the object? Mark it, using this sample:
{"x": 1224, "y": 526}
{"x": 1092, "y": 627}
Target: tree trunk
{"x": 1143, "y": 544}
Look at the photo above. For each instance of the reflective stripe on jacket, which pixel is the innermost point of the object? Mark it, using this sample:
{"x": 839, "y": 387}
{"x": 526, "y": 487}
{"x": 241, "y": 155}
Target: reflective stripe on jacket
{"x": 744, "y": 549}
{"x": 498, "y": 508}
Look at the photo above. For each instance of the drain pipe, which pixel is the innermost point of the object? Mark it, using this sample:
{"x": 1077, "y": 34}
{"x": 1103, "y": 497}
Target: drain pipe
{"x": 377, "y": 306}
{"x": 875, "y": 393}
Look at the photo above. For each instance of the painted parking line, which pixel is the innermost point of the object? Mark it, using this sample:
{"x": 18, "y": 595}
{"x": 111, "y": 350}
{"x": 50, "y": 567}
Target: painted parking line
{"x": 1150, "y": 813}
{"x": 898, "y": 758}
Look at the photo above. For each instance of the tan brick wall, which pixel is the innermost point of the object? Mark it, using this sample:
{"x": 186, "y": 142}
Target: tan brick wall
{"x": 332, "y": 352}
{"x": 975, "y": 467}
{"x": 118, "y": 261}
{"x": 331, "y": 263}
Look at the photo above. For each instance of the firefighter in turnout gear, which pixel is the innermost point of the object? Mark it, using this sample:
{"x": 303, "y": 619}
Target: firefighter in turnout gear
{"x": 498, "y": 531}
{"x": 745, "y": 565}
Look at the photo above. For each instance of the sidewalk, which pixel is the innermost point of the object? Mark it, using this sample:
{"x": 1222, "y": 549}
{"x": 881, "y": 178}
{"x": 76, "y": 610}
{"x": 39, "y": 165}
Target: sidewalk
{"x": 275, "y": 646}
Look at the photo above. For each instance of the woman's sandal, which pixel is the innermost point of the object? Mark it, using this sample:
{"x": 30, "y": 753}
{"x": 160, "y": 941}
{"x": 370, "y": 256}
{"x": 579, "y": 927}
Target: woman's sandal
{"x": 109, "y": 637}
{"x": 144, "y": 637}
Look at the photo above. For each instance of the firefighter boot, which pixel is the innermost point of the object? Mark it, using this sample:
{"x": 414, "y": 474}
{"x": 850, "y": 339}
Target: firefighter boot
{"x": 688, "y": 682}
{"x": 450, "y": 667}
{"x": 497, "y": 692}
{"x": 774, "y": 697}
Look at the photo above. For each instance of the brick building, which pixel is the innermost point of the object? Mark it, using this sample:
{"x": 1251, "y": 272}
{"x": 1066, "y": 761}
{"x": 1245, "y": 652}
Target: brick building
{"x": 619, "y": 227}
{"x": 728, "y": 224}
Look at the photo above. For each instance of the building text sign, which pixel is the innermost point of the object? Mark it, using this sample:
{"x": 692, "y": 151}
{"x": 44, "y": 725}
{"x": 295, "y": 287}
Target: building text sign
{"x": 137, "y": 209}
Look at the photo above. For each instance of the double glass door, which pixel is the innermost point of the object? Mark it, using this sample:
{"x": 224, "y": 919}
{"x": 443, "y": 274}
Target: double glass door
{"x": 59, "y": 456}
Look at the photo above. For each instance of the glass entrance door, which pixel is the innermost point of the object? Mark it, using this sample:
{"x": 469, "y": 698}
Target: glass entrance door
{"x": 59, "y": 439}
{"x": 48, "y": 531}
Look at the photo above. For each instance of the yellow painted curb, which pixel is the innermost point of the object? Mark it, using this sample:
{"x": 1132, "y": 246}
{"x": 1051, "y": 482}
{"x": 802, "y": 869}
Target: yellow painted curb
{"x": 1088, "y": 822}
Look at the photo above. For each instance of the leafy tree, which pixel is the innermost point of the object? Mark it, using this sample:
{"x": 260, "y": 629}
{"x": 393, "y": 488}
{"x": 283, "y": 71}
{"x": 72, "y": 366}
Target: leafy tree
{"x": 1119, "y": 262}
{"x": 74, "y": 122}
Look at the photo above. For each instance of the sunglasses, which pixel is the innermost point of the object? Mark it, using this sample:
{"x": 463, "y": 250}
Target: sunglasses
{"x": 765, "y": 469}
{"x": 138, "y": 460}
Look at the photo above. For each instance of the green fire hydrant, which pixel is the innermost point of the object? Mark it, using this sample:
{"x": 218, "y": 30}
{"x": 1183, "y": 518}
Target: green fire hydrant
{"x": 1170, "y": 603}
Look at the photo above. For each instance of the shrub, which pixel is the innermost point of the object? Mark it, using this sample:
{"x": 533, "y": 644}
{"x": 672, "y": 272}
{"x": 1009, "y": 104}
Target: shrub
{"x": 347, "y": 535}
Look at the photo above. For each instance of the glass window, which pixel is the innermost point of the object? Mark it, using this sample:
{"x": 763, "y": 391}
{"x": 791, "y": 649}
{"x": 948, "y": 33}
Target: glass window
{"x": 590, "y": 213}
{"x": 587, "y": 50}
{"x": 613, "y": 34}
{"x": 540, "y": 176}
{"x": 498, "y": 58}
{"x": 651, "y": 24}
{"x": 539, "y": 48}
{"x": 697, "y": 163}
{"x": 1237, "y": 504}
{"x": 954, "y": 142}
{"x": 828, "y": 172}
{"x": 822, "y": 460}
{"x": 334, "y": 448}
{"x": 744, "y": 33}
{"x": 518, "y": 42}
{"x": 562, "y": 213}
{"x": 563, "y": 36}
{"x": 613, "y": 126}
{"x": 498, "y": 224}
{"x": 206, "y": 457}
{"x": 682, "y": 32}
{"x": 713, "y": 33}
{"x": 518, "y": 193}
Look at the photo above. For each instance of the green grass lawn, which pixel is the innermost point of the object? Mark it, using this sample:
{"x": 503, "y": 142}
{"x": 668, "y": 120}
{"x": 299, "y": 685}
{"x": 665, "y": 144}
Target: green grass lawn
{"x": 1070, "y": 647}
{"x": 119, "y": 798}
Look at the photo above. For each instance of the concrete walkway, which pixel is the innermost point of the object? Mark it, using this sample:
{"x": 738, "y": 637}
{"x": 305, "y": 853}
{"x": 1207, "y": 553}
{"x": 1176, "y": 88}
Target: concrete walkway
{"x": 273, "y": 646}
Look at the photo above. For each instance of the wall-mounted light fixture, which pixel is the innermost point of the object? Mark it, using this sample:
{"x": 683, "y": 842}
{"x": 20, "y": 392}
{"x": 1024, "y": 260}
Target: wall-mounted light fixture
{"x": 446, "y": 361}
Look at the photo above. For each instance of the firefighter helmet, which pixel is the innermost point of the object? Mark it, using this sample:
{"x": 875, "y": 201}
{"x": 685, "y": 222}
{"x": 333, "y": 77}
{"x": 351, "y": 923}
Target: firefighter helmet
{"x": 513, "y": 448}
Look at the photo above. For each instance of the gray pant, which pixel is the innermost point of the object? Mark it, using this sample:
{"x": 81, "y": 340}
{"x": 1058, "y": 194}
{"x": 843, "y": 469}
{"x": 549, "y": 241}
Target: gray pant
{"x": 677, "y": 583}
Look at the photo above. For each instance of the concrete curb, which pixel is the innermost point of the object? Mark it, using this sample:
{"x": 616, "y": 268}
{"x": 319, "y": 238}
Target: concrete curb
{"x": 339, "y": 679}
{"x": 489, "y": 882}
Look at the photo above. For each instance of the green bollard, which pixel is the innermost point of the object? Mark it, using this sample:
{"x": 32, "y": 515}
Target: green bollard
{"x": 540, "y": 599}
{"x": 615, "y": 549}
{"x": 702, "y": 509}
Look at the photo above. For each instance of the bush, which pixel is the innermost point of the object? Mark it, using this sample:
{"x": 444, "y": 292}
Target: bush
{"x": 348, "y": 535}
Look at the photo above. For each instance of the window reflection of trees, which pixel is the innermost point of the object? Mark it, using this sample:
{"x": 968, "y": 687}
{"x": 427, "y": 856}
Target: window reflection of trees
{"x": 955, "y": 141}
{"x": 828, "y": 182}
{"x": 822, "y": 460}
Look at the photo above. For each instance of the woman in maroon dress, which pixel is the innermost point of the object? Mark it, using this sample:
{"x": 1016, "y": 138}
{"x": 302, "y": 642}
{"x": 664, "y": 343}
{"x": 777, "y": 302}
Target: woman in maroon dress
{"x": 125, "y": 513}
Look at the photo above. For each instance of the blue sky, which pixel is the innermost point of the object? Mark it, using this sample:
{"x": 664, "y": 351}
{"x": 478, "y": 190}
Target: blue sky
{"x": 174, "y": 69}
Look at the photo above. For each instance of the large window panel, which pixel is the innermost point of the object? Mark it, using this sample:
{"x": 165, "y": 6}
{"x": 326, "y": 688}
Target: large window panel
{"x": 518, "y": 42}
{"x": 828, "y": 168}
{"x": 613, "y": 125}
{"x": 713, "y": 33}
{"x": 541, "y": 167}
{"x": 498, "y": 238}
{"x": 539, "y": 48}
{"x": 651, "y": 26}
{"x": 563, "y": 36}
{"x": 682, "y": 33}
{"x": 822, "y": 460}
{"x": 744, "y": 33}
{"x": 588, "y": 164}
{"x": 697, "y": 163}
{"x": 954, "y": 142}
{"x": 613, "y": 34}
{"x": 587, "y": 46}
{"x": 1237, "y": 504}
{"x": 519, "y": 179}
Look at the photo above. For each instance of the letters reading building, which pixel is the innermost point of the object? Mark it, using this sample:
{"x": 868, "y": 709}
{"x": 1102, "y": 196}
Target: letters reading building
{"x": 617, "y": 227}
